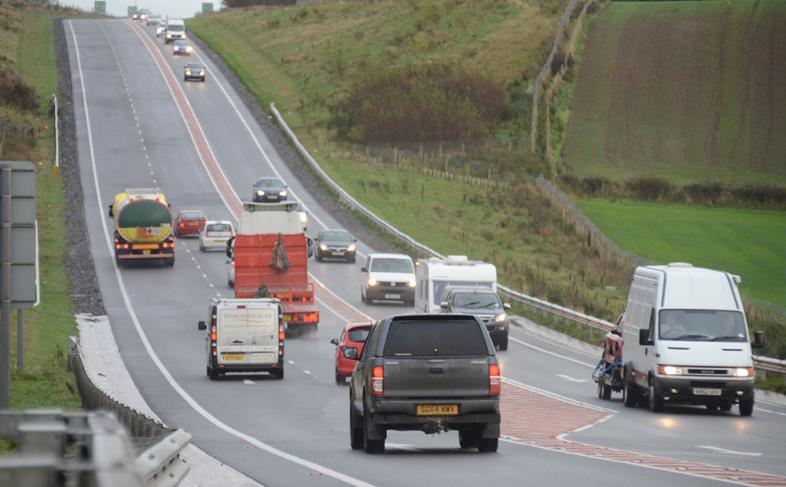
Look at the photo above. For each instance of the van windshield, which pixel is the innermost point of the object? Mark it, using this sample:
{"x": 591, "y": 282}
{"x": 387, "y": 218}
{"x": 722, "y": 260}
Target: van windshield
{"x": 391, "y": 264}
{"x": 175, "y": 28}
{"x": 702, "y": 325}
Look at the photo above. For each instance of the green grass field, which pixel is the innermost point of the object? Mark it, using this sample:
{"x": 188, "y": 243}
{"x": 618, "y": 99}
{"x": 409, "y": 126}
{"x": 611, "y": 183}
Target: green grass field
{"x": 746, "y": 242}
{"x": 688, "y": 91}
{"x": 45, "y": 381}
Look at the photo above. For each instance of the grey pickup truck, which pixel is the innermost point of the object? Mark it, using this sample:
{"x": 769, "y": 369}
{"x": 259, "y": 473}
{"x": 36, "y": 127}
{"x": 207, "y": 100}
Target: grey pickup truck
{"x": 430, "y": 373}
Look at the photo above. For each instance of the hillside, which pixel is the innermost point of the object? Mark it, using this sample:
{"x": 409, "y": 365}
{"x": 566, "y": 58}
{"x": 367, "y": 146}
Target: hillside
{"x": 690, "y": 91}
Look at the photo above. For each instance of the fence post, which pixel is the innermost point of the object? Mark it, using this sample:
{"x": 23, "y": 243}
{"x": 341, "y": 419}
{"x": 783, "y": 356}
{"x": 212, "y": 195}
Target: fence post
{"x": 20, "y": 340}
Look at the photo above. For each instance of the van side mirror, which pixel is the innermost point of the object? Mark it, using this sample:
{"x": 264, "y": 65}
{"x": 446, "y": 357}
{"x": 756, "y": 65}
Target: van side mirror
{"x": 506, "y": 306}
{"x": 202, "y": 326}
{"x": 758, "y": 340}
{"x": 111, "y": 212}
{"x": 644, "y": 337}
{"x": 334, "y": 341}
{"x": 444, "y": 306}
{"x": 364, "y": 269}
{"x": 351, "y": 353}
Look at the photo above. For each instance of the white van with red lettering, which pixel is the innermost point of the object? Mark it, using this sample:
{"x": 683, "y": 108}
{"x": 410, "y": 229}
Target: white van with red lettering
{"x": 244, "y": 335}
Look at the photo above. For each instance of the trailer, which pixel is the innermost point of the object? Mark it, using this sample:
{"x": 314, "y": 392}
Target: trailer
{"x": 434, "y": 276}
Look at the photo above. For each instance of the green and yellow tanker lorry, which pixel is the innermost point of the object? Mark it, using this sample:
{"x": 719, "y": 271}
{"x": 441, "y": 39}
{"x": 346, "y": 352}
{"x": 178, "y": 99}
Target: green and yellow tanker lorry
{"x": 142, "y": 227}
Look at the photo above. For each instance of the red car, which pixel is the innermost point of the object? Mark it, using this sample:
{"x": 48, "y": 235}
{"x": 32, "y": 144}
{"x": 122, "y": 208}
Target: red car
{"x": 189, "y": 223}
{"x": 348, "y": 349}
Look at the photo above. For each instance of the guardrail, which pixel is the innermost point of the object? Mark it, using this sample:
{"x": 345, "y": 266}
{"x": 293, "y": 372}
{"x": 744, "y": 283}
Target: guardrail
{"x": 762, "y": 363}
{"x": 58, "y": 448}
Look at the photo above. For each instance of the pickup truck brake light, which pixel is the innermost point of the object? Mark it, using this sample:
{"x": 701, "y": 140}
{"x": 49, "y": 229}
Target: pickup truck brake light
{"x": 495, "y": 381}
{"x": 378, "y": 380}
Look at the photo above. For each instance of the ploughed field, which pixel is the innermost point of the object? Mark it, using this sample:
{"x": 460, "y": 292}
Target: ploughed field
{"x": 688, "y": 91}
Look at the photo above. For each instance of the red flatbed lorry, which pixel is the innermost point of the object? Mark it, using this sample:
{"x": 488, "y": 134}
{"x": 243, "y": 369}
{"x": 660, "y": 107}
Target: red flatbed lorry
{"x": 283, "y": 271}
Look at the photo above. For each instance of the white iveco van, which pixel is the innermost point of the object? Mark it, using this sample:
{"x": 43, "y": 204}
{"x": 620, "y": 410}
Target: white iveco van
{"x": 686, "y": 339}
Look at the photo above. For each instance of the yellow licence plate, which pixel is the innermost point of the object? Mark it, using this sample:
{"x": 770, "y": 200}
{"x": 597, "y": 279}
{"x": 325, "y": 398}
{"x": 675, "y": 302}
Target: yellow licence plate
{"x": 145, "y": 246}
{"x": 233, "y": 356}
{"x": 437, "y": 410}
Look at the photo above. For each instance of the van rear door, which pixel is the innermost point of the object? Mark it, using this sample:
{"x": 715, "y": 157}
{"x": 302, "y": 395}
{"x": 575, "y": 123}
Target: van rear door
{"x": 232, "y": 329}
{"x": 262, "y": 338}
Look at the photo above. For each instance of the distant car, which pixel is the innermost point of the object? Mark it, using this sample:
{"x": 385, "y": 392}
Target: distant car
{"x": 182, "y": 48}
{"x": 388, "y": 277}
{"x": 188, "y": 223}
{"x": 161, "y": 29}
{"x": 269, "y": 189}
{"x": 485, "y": 305}
{"x": 194, "y": 71}
{"x": 153, "y": 20}
{"x": 349, "y": 347}
{"x": 335, "y": 244}
{"x": 143, "y": 15}
{"x": 215, "y": 234}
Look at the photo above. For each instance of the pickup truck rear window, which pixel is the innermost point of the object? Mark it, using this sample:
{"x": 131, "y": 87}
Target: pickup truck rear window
{"x": 434, "y": 339}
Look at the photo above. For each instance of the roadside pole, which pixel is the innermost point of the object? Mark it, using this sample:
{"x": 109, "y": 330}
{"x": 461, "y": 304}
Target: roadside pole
{"x": 20, "y": 340}
{"x": 5, "y": 288}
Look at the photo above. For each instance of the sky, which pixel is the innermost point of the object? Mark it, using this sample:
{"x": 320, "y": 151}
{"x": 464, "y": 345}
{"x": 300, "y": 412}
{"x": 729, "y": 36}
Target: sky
{"x": 173, "y": 8}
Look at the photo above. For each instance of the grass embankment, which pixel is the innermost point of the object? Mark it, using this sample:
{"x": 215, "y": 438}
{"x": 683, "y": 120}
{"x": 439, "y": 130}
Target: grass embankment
{"x": 28, "y": 47}
{"x": 685, "y": 91}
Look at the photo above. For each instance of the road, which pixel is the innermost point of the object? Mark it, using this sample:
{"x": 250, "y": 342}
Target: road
{"x": 202, "y": 148}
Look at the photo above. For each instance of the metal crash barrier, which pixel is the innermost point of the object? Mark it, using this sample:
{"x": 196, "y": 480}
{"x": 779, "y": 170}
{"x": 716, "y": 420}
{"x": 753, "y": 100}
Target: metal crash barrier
{"x": 55, "y": 448}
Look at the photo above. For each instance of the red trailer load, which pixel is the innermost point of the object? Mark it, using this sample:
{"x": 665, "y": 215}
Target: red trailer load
{"x": 271, "y": 251}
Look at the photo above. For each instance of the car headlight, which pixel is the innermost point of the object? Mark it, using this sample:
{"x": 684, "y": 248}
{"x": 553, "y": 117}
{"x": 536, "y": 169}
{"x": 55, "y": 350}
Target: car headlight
{"x": 743, "y": 372}
{"x": 322, "y": 247}
{"x": 189, "y": 48}
{"x": 670, "y": 370}
{"x": 351, "y": 247}
{"x": 202, "y": 73}
{"x": 501, "y": 318}
{"x": 260, "y": 193}
{"x": 372, "y": 282}
{"x": 283, "y": 193}
{"x": 188, "y": 72}
{"x": 412, "y": 283}
{"x": 303, "y": 217}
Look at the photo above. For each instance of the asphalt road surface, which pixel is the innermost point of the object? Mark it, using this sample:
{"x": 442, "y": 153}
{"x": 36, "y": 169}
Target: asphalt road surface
{"x": 136, "y": 129}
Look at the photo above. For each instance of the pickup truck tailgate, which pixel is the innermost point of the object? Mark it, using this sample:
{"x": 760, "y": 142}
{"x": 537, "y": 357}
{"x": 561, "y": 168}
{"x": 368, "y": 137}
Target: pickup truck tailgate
{"x": 436, "y": 378}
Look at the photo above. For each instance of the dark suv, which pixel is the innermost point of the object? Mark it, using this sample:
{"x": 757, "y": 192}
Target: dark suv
{"x": 486, "y": 305}
{"x": 430, "y": 373}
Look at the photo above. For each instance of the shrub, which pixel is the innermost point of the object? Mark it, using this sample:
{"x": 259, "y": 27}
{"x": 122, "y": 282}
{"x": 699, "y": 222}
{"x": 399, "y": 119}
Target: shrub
{"x": 650, "y": 188}
{"x": 419, "y": 103}
{"x": 15, "y": 91}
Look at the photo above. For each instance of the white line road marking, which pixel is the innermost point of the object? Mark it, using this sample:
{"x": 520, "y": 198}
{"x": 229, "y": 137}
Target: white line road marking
{"x": 143, "y": 336}
{"x": 248, "y": 382}
{"x": 307, "y": 372}
{"x": 729, "y": 452}
{"x": 770, "y": 411}
{"x": 291, "y": 362}
{"x": 553, "y": 354}
{"x": 557, "y": 396}
{"x": 569, "y": 378}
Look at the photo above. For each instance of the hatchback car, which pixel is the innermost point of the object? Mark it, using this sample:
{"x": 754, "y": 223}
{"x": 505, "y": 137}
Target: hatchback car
{"x": 349, "y": 346}
{"x": 182, "y": 48}
{"x": 336, "y": 244}
{"x": 194, "y": 71}
{"x": 269, "y": 189}
{"x": 188, "y": 223}
{"x": 215, "y": 234}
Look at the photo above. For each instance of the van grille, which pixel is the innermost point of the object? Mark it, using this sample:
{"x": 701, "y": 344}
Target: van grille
{"x": 708, "y": 371}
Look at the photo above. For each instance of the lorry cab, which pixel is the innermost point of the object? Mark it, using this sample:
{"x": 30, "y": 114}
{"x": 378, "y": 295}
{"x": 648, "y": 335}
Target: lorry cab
{"x": 434, "y": 276}
{"x": 687, "y": 340}
{"x": 244, "y": 335}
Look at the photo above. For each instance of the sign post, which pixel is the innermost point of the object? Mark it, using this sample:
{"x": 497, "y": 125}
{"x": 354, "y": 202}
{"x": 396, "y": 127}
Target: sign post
{"x": 131, "y": 10}
{"x": 18, "y": 257}
{"x": 207, "y": 7}
{"x": 99, "y": 7}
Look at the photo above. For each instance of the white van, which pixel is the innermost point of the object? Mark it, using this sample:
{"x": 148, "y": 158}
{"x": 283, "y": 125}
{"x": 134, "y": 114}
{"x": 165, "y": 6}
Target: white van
{"x": 434, "y": 276}
{"x": 388, "y": 277}
{"x": 175, "y": 31}
{"x": 686, "y": 339}
{"x": 245, "y": 335}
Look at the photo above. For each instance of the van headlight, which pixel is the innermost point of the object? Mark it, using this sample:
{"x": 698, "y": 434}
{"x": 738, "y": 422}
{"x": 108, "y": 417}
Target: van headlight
{"x": 670, "y": 370}
{"x": 501, "y": 318}
{"x": 188, "y": 72}
{"x": 743, "y": 372}
{"x": 303, "y": 217}
{"x": 372, "y": 282}
{"x": 412, "y": 283}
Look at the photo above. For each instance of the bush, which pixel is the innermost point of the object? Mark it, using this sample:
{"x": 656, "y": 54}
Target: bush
{"x": 419, "y": 103}
{"x": 15, "y": 91}
{"x": 650, "y": 188}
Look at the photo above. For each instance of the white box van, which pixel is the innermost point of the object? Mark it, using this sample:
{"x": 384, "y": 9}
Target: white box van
{"x": 434, "y": 276}
{"x": 245, "y": 335}
{"x": 175, "y": 31}
{"x": 686, "y": 339}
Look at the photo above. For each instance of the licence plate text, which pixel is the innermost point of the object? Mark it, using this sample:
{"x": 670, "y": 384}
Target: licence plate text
{"x": 232, "y": 356}
{"x": 704, "y": 391}
{"x": 392, "y": 296}
{"x": 437, "y": 409}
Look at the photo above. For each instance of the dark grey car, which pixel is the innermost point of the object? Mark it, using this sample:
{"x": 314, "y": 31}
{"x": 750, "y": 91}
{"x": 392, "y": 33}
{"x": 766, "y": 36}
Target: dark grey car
{"x": 430, "y": 373}
{"x": 486, "y": 305}
{"x": 269, "y": 189}
{"x": 194, "y": 71}
{"x": 336, "y": 244}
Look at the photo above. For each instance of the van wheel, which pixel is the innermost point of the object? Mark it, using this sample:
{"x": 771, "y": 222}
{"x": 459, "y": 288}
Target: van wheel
{"x": 488, "y": 445}
{"x": 278, "y": 374}
{"x": 746, "y": 407}
{"x": 355, "y": 430}
{"x": 212, "y": 373}
{"x": 630, "y": 394}
{"x": 656, "y": 402}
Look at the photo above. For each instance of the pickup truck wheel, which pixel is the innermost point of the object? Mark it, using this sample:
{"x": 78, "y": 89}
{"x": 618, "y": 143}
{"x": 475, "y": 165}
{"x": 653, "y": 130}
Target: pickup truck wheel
{"x": 488, "y": 445}
{"x": 630, "y": 395}
{"x": 469, "y": 438}
{"x": 746, "y": 407}
{"x": 371, "y": 445}
{"x": 355, "y": 430}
